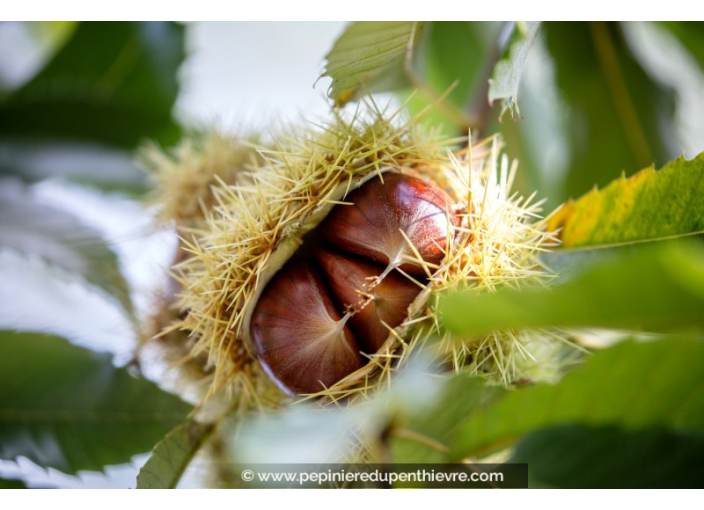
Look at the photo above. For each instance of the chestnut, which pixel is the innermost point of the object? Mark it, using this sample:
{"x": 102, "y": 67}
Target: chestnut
{"x": 372, "y": 305}
{"x": 301, "y": 339}
{"x": 382, "y": 210}
{"x": 336, "y": 299}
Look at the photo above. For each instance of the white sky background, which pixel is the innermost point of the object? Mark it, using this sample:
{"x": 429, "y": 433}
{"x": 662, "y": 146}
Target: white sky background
{"x": 246, "y": 73}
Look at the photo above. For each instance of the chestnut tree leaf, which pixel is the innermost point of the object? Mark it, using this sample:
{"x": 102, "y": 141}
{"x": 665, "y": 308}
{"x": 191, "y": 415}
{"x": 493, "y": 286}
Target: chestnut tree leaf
{"x": 311, "y": 434}
{"x": 369, "y": 56}
{"x": 88, "y": 164}
{"x": 58, "y": 237}
{"x": 581, "y": 456}
{"x": 171, "y": 456}
{"x": 112, "y": 83}
{"x": 691, "y": 35}
{"x": 425, "y": 437}
{"x": 69, "y": 408}
{"x": 651, "y": 205}
{"x": 633, "y": 385}
{"x": 109, "y": 87}
{"x": 506, "y": 76}
{"x": 12, "y": 483}
{"x": 658, "y": 287}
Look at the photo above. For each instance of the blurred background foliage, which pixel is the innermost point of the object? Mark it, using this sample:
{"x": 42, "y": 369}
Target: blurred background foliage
{"x": 595, "y": 99}
{"x": 579, "y": 104}
{"x": 105, "y": 87}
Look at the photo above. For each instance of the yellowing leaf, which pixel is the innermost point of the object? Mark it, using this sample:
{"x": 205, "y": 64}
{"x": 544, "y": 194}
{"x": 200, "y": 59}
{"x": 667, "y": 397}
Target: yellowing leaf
{"x": 651, "y": 205}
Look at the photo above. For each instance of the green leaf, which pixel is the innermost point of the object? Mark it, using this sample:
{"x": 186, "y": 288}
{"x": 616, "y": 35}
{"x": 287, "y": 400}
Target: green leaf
{"x": 309, "y": 433}
{"x": 32, "y": 44}
{"x": 171, "y": 456}
{"x": 451, "y": 54}
{"x": 651, "y": 205}
{"x": 110, "y": 170}
{"x": 506, "y": 76}
{"x": 425, "y": 436}
{"x": 112, "y": 83}
{"x": 618, "y": 118}
{"x": 577, "y": 456}
{"x": 369, "y": 57}
{"x": 635, "y": 386}
{"x": 6, "y": 483}
{"x": 655, "y": 288}
{"x": 538, "y": 141}
{"x": 691, "y": 36}
{"x": 58, "y": 237}
{"x": 69, "y": 408}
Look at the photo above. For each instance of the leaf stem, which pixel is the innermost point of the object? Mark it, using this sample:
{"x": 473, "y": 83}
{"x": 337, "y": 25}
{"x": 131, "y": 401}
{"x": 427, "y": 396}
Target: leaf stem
{"x": 620, "y": 96}
{"x": 420, "y": 438}
{"x": 460, "y": 118}
{"x": 481, "y": 105}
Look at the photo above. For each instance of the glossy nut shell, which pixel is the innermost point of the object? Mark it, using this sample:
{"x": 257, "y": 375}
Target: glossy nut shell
{"x": 338, "y": 297}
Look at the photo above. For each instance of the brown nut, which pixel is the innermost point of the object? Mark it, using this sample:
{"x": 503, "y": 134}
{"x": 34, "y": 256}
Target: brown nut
{"x": 336, "y": 301}
{"x": 372, "y": 226}
{"x": 301, "y": 339}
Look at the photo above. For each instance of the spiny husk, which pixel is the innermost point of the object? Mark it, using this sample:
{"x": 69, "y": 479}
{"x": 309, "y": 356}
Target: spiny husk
{"x": 256, "y": 224}
{"x": 183, "y": 177}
